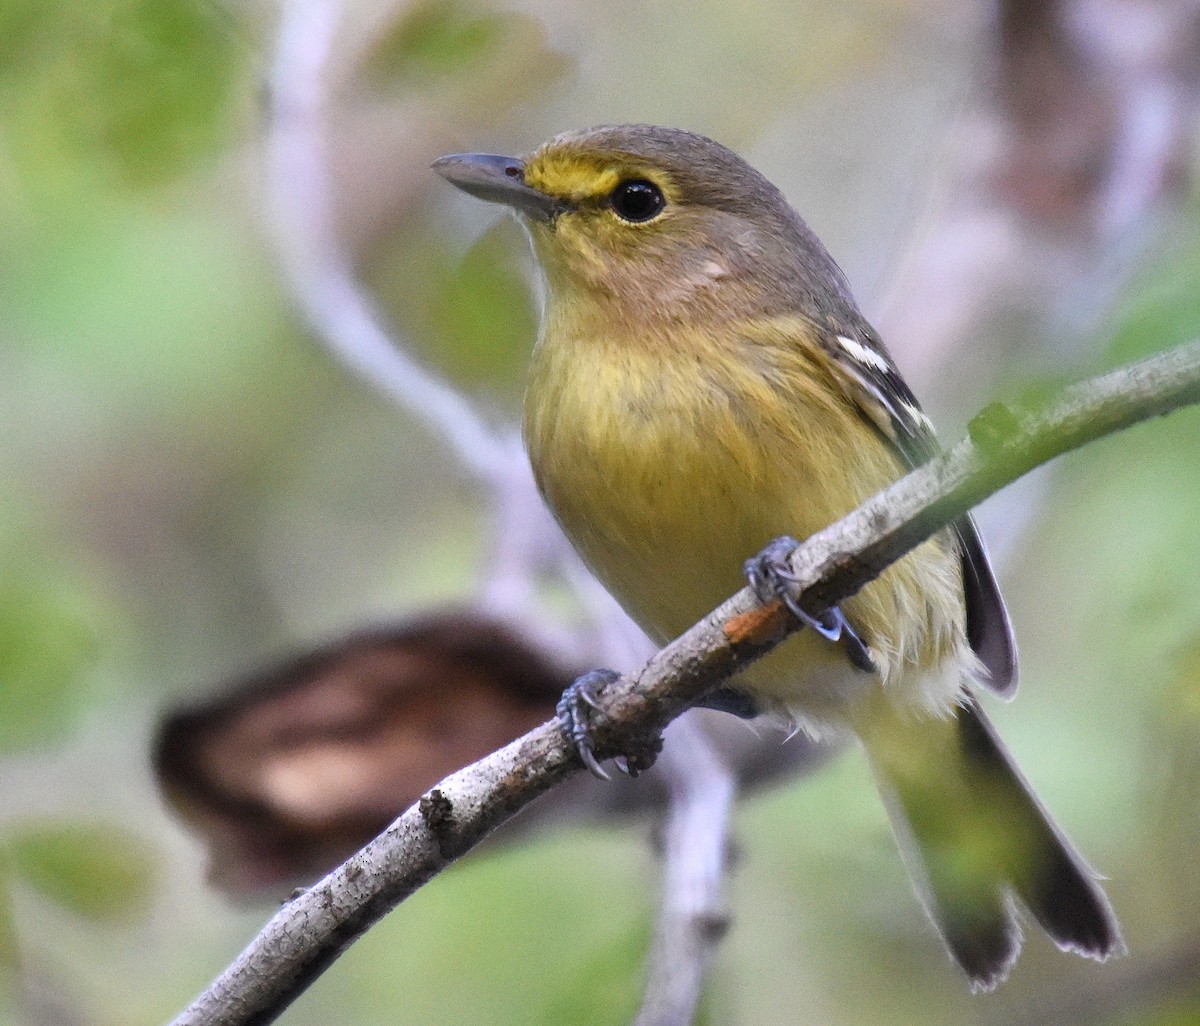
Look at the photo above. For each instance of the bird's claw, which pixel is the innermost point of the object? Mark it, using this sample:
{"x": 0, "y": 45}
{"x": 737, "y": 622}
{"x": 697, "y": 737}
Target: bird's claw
{"x": 585, "y": 686}
{"x": 856, "y": 649}
{"x": 572, "y": 712}
{"x": 770, "y": 575}
{"x": 575, "y": 717}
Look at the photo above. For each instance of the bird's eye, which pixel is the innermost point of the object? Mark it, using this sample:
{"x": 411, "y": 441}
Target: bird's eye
{"x": 637, "y": 200}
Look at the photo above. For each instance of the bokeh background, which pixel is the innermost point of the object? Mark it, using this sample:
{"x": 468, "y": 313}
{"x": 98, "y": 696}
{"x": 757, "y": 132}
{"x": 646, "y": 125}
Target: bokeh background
{"x": 190, "y": 487}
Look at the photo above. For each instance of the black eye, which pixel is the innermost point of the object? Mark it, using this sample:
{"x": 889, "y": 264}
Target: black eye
{"x": 637, "y": 200}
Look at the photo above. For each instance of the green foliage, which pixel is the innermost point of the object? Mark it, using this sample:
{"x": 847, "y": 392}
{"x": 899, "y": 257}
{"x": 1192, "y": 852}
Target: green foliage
{"x": 1164, "y": 309}
{"x": 20, "y": 26}
{"x": 437, "y": 39}
{"x": 45, "y": 643}
{"x": 484, "y": 307}
{"x": 140, "y": 87}
{"x": 1176, "y": 1013}
{"x": 9, "y": 950}
{"x": 96, "y": 870}
{"x": 607, "y": 991}
{"x": 8, "y": 930}
{"x": 472, "y": 316}
{"x": 484, "y": 59}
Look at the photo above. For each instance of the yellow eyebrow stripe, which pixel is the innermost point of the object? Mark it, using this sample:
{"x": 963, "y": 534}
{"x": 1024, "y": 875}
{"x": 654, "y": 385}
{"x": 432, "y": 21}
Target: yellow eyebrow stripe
{"x": 575, "y": 180}
{"x": 580, "y": 178}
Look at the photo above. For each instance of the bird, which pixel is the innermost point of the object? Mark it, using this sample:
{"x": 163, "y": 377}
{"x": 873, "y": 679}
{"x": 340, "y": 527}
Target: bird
{"x": 702, "y": 391}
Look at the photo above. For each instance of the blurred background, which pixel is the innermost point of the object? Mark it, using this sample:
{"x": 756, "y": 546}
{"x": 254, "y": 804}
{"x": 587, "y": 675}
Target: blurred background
{"x": 191, "y": 488}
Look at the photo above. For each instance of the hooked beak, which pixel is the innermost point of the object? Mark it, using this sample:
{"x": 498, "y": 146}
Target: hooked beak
{"x": 497, "y": 180}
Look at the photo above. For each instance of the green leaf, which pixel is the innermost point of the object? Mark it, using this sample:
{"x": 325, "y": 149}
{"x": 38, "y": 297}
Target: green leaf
{"x": 1163, "y": 309}
{"x": 485, "y": 312}
{"x": 21, "y": 23}
{"x": 487, "y": 61}
{"x": 8, "y": 929}
{"x": 436, "y": 40}
{"x": 611, "y": 987}
{"x": 162, "y": 68}
{"x": 136, "y": 86}
{"x": 97, "y": 870}
{"x": 9, "y": 958}
{"x": 45, "y": 642}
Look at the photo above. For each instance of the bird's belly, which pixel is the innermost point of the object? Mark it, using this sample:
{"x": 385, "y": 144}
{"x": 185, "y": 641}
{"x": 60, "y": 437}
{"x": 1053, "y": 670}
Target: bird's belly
{"x": 666, "y": 499}
{"x": 694, "y": 566}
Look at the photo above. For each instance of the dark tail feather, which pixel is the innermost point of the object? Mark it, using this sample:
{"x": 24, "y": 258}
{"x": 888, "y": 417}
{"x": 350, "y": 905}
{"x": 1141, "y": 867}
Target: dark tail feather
{"x": 1056, "y": 884}
{"x": 974, "y": 834}
{"x": 984, "y": 940}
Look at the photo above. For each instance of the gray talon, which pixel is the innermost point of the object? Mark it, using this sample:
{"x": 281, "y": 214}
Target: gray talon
{"x": 586, "y": 692}
{"x": 769, "y": 574}
{"x": 572, "y": 711}
{"x": 592, "y": 763}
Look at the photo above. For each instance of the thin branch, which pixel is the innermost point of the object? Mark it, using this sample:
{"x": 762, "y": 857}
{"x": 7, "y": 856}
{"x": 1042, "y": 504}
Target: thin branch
{"x": 307, "y": 935}
{"x": 692, "y": 918}
{"x": 318, "y": 269}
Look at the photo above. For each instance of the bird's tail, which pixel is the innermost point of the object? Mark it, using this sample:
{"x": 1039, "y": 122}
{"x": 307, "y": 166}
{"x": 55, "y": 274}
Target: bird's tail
{"x": 974, "y": 834}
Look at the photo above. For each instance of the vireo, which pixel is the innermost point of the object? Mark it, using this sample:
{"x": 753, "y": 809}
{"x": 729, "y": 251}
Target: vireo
{"x": 703, "y": 383}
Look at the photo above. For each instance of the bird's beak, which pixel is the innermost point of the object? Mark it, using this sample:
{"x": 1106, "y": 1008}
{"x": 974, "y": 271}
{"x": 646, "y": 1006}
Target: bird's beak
{"x": 497, "y": 180}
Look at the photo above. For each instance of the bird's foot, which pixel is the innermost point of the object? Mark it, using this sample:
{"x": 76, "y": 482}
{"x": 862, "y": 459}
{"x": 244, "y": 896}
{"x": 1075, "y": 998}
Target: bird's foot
{"x": 770, "y": 575}
{"x": 575, "y": 709}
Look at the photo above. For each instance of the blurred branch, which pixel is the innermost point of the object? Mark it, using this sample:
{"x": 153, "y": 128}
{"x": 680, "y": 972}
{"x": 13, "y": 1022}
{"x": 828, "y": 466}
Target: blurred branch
{"x": 320, "y": 272}
{"x": 306, "y": 936}
{"x": 1078, "y": 139}
{"x": 693, "y": 918}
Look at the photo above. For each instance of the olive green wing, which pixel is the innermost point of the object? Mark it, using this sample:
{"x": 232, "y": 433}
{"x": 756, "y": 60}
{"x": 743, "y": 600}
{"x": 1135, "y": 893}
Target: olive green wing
{"x": 888, "y": 404}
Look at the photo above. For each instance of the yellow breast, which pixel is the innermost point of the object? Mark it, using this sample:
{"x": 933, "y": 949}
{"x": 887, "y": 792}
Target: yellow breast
{"x": 669, "y": 457}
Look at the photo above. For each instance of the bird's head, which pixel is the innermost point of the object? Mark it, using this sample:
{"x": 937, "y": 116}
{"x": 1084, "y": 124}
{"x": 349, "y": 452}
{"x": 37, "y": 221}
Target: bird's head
{"x": 652, "y": 220}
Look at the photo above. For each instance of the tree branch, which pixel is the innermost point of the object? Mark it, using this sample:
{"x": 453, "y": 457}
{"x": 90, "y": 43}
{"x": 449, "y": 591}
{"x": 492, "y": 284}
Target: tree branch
{"x": 318, "y": 269}
{"x": 308, "y": 934}
{"x": 692, "y": 918}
